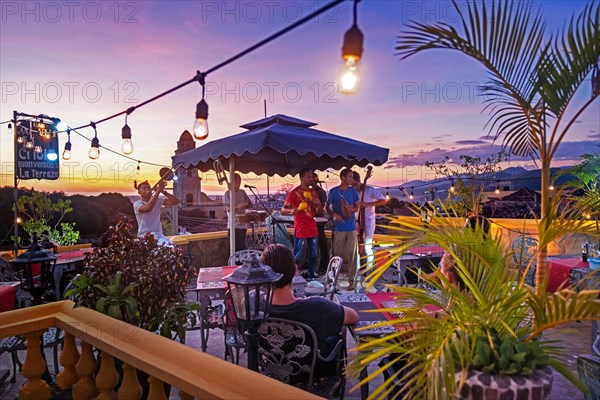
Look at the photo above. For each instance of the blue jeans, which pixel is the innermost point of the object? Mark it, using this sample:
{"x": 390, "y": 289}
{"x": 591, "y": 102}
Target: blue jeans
{"x": 312, "y": 253}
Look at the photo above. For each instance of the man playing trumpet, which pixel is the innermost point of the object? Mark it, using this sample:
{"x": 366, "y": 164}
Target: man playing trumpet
{"x": 147, "y": 210}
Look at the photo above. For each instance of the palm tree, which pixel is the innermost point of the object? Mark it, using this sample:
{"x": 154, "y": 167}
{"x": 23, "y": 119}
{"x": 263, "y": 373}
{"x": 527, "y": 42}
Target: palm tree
{"x": 533, "y": 79}
{"x": 491, "y": 323}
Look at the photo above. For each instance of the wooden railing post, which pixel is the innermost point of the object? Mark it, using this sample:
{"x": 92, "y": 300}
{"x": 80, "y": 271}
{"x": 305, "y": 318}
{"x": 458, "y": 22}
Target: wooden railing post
{"x": 107, "y": 377}
{"x": 68, "y": 359}
{"x": 33, "y": 368}
{"x": 157, "y": 391}
{"x": 185, "y": 396}
{"x": 85, "y": 388}
{"x": 130, "y": 387}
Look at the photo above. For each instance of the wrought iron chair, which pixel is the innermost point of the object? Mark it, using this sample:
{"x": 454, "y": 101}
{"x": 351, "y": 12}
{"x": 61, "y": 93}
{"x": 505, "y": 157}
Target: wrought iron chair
{"x": 239, "y": 257}
{"x": 393, "y": 275}
{"x": 330, "y": 284}
{"x": 288, "y": 352}
{"x": 524, "y": 249}
{"x": 233, "y": 336}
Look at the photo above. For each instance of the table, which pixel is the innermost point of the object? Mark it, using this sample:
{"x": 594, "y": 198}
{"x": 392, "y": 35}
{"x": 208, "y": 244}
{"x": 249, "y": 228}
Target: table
{"x": 560, "y": 269}
{"x": 211, "y": 286}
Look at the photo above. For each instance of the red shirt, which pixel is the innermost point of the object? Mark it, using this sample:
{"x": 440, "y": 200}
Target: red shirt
{"x": 305, "y": 225}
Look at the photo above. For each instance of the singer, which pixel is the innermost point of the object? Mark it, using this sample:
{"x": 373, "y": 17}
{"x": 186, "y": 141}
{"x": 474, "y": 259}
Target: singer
{"x": 240, "y": 202}
{"x": 303, "y": 203}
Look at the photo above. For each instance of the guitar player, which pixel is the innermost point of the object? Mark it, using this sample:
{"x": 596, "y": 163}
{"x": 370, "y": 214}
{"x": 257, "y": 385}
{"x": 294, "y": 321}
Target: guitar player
{"x": 370, "y": 198}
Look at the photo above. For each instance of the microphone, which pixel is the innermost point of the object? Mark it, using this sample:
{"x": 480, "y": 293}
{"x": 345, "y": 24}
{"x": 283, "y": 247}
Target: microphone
{"x": 249, "y": 187}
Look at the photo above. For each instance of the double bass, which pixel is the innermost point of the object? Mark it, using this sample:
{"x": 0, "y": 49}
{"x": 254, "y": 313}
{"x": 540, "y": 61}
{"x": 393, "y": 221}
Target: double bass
{"x": 360, "y": 224}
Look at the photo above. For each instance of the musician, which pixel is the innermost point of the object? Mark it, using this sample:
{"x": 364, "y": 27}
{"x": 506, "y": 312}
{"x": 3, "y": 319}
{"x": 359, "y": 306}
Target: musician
{"x": 342, "y": 202}
{"x": 370, "y": 199}
{"x": 303, "y": 203}
{"x": 241, "y": 202}
{"x": 147, "y": 210}
{"x": 322, "y": 240}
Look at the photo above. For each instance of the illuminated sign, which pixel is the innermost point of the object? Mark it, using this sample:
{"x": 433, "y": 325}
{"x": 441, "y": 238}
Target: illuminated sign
{"x": 36, "y": 150}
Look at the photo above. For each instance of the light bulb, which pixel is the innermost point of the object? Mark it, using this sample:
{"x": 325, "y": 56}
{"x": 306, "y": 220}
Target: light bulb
{"x": 20, "y": 140}
{"x": 19, "y": 220}
{"x": 551, "y": 187}
{"x": 387, "y": 196}
{"x": 94, "y": 149}
{"x": 497, "y": 191}
{"x": 411, "y": 196}
{"x": 349, "y": 76}
{"x": 29, "y": 144}
{"x": 51, "y": 155}
{"x": 66, "y": 154}
{"x": 127, "y": 144}
{"x": 38, "y": 149}
{"x": 9, "y": 128}
{"x": 200, "y": 129}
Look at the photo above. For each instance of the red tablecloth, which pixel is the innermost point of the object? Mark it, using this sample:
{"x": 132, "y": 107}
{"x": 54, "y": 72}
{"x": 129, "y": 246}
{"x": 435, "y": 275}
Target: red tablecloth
{"x": 72, "y": 255}
{"x": 379, "y": 297}
{"x": 559, "y": 271}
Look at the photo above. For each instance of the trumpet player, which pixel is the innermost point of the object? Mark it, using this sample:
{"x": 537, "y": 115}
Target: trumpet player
{"x": 147, "y": 210}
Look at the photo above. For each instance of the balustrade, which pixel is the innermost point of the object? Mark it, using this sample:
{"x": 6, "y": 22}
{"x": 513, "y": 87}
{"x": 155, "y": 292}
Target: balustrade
{"x": 195, "y": 374}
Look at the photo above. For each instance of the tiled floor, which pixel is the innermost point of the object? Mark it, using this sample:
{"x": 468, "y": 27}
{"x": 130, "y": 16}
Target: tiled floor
{"x": 575, "y": 336}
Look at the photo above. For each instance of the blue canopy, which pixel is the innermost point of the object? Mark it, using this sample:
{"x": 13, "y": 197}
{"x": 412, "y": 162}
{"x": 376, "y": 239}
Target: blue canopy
{"x": 282, "y": 145}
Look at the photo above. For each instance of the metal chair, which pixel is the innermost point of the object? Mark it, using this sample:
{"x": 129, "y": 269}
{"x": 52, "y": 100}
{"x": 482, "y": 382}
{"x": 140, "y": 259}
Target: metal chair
{"x": 395, "y": 274}
{"x": 289, "y": 352}
{"x": 233, "y": 336}
{"x": 239, "y": 257}
{"x": 330, "y": 284}
{"x": 524, "y": 248}
{"x": 589, "y": 374}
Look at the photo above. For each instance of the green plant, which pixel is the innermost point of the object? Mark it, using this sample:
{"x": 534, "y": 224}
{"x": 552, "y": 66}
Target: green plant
{"x": 533, "y": 78}
{"x": 44, "y": 216}
{"x": 493, "y": 322}
{"x": 136, "y": 280}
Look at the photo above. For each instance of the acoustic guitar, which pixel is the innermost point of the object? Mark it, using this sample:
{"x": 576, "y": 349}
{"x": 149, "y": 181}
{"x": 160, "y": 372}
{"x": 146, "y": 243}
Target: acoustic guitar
{"x": 360, "y": 224}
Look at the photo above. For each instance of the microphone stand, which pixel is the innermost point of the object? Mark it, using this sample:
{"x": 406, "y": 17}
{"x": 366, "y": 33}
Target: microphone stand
{"x": 279, "y": 225}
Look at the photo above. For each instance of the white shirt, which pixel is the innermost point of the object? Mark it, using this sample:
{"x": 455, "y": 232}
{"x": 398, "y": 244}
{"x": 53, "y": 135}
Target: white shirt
{"x": 239, "y": 197}
{"x": 371, "y": 195}
{"x": 149, "y": 221}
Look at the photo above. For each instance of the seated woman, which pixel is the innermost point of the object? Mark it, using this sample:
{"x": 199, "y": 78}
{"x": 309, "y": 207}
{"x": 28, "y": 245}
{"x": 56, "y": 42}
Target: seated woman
{"x": 324, "y": 316}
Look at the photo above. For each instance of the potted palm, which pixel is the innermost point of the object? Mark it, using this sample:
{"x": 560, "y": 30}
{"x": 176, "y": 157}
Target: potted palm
{"x": 486, "y": 340}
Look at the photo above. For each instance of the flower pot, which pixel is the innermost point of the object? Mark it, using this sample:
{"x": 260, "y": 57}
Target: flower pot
{"x": 482, "y": 386}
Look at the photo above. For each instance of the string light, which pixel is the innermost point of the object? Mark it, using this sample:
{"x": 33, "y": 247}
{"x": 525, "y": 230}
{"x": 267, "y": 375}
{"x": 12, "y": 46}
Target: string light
{"x": 138, "y": 167}
{"x": 66, "y": 155}
{"x": 29, "y": 143}
{"x": 497, "y": 191}
{"x": 551, "y": 187}
{"x": 9, "y": 128}
{"x": 452, "y": 187}
{"x": 352, "y": 50}
{"x": 20, "y": 139}
{"x": 387, "y": 196}
{"x": 95, "y": 147}
{"x": 412, "y": 193}
{"x": 200, "y": 128}
{"x": 127, "y": 144}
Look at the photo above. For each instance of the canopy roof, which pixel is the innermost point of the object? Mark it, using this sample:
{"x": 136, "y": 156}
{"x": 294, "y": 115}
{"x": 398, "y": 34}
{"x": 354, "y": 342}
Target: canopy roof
{"x": 282, "y": 145}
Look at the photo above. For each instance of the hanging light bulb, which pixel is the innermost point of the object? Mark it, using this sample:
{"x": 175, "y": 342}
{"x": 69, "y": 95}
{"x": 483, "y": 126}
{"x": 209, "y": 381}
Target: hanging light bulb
{"x": 412, "y": 194}
{"x": 452, "y": 187}
{"x": 19, "y": 220}
{"x": 551, "y": 187}
{"x": 352, "y": 50}
{"x": 66, "y": 155}
{"x": 95, "y": 148}
{"x": 497, "y": 191}
{"x": 20, "y": 139}
{"x": 9, "y": 128}
{"x": 127, "y": 145}
{"x": 37, "y": 149}
{"x": 200, "y": 128}
{"x": 29, "y": 143}
{"x": 387, "y": 196}
{"x": 52, "y": 155}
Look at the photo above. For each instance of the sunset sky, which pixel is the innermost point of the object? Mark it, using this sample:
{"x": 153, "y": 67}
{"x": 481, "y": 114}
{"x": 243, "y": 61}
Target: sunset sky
{"x": 83, "y": 61}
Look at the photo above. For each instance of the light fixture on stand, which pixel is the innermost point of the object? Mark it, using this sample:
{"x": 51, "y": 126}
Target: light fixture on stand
{"x": 66, "y": 155}
{"x": 127, "y": 144}
{"x": 251, "y": 287}
{"x": 352, "y": 50}
{"x": 200, "y": 129}
{"x": 95, "y": 147}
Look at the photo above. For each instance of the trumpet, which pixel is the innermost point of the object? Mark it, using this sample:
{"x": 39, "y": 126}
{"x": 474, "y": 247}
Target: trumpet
{"x": 166, "y": 174}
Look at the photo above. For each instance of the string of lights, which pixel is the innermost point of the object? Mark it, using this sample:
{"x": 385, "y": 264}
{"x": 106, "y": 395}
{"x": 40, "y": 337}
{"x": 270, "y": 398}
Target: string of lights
{"x": 352, "y": 49}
